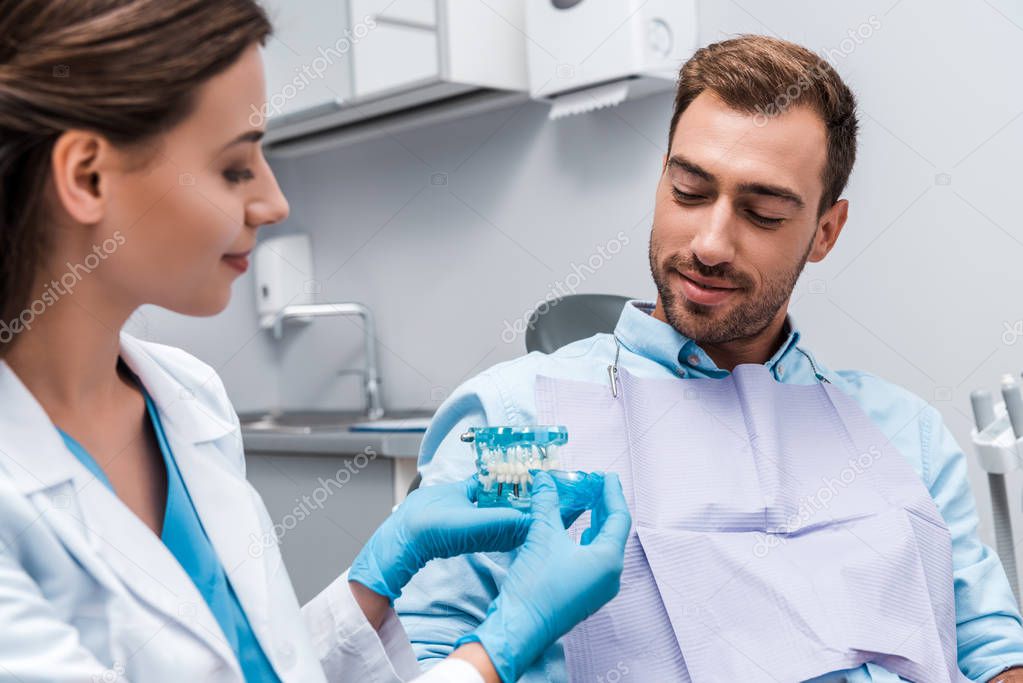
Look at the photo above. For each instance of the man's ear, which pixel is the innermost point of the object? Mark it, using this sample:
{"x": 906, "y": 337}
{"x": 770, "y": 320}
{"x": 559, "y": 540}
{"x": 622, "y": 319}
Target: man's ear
{"x": 829, "y": 226}
{"x": 77, "y": 165}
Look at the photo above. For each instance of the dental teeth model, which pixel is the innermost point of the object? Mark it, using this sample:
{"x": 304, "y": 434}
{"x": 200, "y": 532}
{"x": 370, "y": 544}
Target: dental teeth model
{"x": 505, "y": 456}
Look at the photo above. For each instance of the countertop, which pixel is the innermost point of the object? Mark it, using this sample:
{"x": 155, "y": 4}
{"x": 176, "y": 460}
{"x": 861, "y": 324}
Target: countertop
{"x": 328, "y": 433}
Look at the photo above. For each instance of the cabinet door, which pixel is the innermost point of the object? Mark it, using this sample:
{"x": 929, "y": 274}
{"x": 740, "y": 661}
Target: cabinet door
{"x": 308, "y": 58}
{"x": 398, "y": 46}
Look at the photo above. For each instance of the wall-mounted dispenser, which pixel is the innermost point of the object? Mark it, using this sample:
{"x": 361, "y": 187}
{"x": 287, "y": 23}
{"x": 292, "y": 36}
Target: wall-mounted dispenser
{"x": 588, "y": 54}
{"x": 283, "y": 269}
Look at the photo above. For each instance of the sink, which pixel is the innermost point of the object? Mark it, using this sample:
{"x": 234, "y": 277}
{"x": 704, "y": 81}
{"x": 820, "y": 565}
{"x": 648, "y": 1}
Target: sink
{"x": 327, "y": 432}
{"x": 313, "y": 421}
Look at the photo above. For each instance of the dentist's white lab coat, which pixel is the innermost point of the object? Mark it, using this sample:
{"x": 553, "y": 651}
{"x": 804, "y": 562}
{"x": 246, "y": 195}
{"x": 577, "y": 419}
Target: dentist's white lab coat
{"x": 89, "y": 593}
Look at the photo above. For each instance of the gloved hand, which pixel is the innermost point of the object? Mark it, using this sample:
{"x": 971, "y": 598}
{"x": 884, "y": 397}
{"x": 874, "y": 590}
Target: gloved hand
{"x": 577, "y": 492}
{"x": 553, "y": 584}
{"x": 434, "y": 522}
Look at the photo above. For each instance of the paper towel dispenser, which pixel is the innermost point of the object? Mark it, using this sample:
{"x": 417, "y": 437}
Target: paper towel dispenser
{"x": 588, "y": 54}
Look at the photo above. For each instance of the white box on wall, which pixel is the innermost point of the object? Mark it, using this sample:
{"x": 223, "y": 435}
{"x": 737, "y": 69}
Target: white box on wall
{"x": 597, "y": 53}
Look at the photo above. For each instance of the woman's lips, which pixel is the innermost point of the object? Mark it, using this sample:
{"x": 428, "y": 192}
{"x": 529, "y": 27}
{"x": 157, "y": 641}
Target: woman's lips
{"x": 238, "y": 261}
{"x": 705, "y": 295}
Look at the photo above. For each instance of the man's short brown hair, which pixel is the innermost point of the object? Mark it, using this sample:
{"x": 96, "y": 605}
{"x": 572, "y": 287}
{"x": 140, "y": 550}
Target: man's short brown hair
{"x": 765, "y": 76}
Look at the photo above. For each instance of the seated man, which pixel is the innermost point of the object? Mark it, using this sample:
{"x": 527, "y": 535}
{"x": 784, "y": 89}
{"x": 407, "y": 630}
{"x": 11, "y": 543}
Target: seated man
{"x": 791, "y": 522}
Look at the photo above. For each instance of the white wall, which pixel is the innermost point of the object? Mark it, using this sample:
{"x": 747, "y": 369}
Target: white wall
{"x": 918, "y": 290}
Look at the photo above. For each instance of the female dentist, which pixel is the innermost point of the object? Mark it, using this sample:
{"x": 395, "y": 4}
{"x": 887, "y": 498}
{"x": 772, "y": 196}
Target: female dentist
{"x": 130, "y": 174}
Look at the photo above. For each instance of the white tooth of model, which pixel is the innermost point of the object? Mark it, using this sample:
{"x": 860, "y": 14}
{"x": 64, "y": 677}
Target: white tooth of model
{"x": 512, "y": 465}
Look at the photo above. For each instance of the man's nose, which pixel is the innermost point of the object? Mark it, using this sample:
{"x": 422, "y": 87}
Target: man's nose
{"x": 714, "y": 242}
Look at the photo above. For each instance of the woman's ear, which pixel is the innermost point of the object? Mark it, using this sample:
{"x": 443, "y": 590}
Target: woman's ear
{"x": 79, "y": 161}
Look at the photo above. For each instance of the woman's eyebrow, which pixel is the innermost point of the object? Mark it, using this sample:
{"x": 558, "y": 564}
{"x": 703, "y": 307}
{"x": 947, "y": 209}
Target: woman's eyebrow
{"x": 247, "y": 136}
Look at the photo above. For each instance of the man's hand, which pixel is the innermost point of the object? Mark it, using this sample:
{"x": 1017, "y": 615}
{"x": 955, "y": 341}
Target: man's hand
{"x": 1013, "y": 675}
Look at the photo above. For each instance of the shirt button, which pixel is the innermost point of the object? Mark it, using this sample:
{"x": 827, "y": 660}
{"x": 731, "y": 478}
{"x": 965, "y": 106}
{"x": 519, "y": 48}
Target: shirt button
{"x": 693, "y": 359}
{"x": 781, "y": 369}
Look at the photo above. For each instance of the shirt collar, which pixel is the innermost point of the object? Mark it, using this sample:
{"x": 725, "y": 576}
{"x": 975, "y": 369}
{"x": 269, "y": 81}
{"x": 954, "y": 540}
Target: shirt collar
{"x": 647, "y": 336}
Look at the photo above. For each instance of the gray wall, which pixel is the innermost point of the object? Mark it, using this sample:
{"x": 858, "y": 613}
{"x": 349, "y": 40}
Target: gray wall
{"x": 919, "y": 289}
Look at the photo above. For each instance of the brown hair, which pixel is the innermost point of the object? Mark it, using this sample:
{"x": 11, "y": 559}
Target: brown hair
{"x": 765, "y": 76}
{"x": 126, "y": 69}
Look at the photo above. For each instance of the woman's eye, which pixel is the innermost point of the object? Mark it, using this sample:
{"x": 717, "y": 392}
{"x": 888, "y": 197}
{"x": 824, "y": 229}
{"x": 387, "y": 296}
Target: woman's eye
{"x": 764, "y": 220}
{"x": 238, "y": 175}
{"x": 685, "y": 196}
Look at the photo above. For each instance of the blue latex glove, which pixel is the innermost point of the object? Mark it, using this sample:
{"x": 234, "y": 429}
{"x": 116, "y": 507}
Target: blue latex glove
{"x": 553, "y": 584}
{"x": 577, "y": 492}
{"x": 434, "y": 522}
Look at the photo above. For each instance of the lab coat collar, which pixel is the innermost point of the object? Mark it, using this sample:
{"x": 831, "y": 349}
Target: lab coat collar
{"x": 31, "y": 449}
{"x": 90, "y": 519}
{"x": 187, "y": 399}
{"x": 177, "y": 395}
{"x": 640, "y": 332}
{"x": 26, "y": 428}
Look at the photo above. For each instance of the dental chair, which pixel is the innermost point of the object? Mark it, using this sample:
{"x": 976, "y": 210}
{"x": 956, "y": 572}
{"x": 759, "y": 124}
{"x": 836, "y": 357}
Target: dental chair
{"x": 572, "y": 318}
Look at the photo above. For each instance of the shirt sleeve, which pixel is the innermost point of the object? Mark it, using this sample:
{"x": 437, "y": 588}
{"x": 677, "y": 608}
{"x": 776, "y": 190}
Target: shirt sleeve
{"x": 989, "y": 633}
{"x": 448, "y": 598}
{"x": 347, "y": 645}
{"x": 445, "y": 600}
{"x": 350, "y": 649}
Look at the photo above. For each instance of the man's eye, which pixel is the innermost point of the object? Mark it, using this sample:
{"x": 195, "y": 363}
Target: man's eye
{"x": 685, "y": 196}
{"x": 764, "y": 220}
{"x": 238, "y": 175}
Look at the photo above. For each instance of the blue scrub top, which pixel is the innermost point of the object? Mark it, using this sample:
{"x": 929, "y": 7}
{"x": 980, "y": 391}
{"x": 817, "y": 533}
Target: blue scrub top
{"x": 185, "y": 537}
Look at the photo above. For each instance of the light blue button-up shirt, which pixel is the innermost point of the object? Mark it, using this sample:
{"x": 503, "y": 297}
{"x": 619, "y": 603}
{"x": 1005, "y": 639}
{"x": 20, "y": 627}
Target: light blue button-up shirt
{"x": 448, "y": 598}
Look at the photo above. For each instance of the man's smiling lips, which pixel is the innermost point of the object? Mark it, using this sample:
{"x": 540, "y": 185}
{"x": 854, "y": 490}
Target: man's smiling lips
{"x": 706, "y": 291}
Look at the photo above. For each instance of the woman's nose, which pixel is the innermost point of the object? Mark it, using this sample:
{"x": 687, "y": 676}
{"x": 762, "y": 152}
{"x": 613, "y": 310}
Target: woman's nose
{"x": 269, "y": 208}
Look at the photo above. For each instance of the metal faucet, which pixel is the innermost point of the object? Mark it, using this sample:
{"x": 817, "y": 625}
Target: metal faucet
{"x": 374, "y": 406}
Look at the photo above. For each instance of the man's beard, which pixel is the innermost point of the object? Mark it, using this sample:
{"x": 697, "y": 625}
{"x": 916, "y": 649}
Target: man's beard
{"x": 697, "y": 321}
